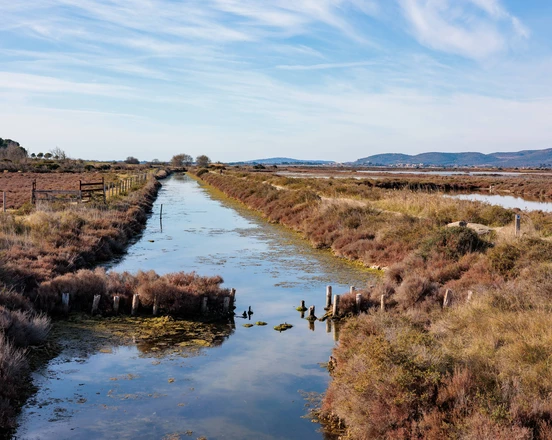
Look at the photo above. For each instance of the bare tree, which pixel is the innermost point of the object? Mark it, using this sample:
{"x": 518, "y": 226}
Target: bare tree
{"x": 203, "y": 161}
{"x": 58, "y": 153}
{"x": 181, "y": 160}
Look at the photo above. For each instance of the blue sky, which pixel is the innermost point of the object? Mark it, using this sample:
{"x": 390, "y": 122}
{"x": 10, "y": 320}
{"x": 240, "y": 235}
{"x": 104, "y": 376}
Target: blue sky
{"x": 246, "y": 79}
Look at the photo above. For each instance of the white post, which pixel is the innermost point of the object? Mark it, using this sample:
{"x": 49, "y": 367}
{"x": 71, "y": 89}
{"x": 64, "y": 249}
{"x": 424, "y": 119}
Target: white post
{"x": 135, "y": 304}
{"x": 95, "y": 303}
{"x": 335, "y": 310}
{"x": 470, "y": 294}
{"x": 155, "y": 305}
{"x": 116, "y": 300}
{"x": 382, "y": 303}
{"x": 358, "y": 302}
{"x": 518, "y": 225}
{"x": 328, "y": 297}
{"x": 352, "y": 289}
{"x": 447, "y": 300}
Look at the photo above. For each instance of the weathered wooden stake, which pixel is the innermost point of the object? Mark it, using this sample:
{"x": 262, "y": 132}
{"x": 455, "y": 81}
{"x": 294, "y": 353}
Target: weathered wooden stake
{"x": 204, "y": 300}
{"x": 303, "y": 307}
{"x": 470, "y": 294}
{"x": 135, "y": 304}
{"x": 358, "y": 302}
{"x": 116, "y": 301}
{"x": 518, "y": 225}
{"x": 311, "y": 325}
{"x": 311, "y": 313}
{"x": 95, "y": 303}
{"x": 328, "y": 325}
{"x": 352, "y": 289}
{"x": 155, "y": 305}
{"x": 382, "y": 303}
{"x": 226, "y": 305}
{"x": 4, "y": 201}
{"x": 447, "y": 300}
{"x": 232, "y": 297}
{"x": 161, "y": 212}
{"x": 328, "y": 297}
{"x": 335, "y": 310}
{"x": 65, "y": 302}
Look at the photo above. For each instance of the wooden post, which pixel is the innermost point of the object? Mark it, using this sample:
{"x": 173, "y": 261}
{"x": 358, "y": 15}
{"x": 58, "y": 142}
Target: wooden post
{"x": 352, "y": 289}
{"x": 155, "y": 305}
{"x": 358, "y": 302}
{"x": 232, "y": 297}
{"x": 4, "y": 201}
{"x": 303, "y": 307}
{"x": 335, "y": 329}
{"x": 226, "y": 305}
{"x": 328, "y": 297}
{"x": 103, "y": 187}
{"x": 447, "y": 300}
{"x": 470, "y": 294}
{"x": 95, "y": 303}
{"x": 382, "y": 303}
{"x": 311, "y": 324}
{"x": 116, "y": 300}
{"x": 335, "y": 310}
{"x": 161, "y": 212}
{"x": 204, "y": 309}
{"x": 328, "y": 325}
{"x": 65, "y": 302}
{"x": 311, "y": 313}
{"x": 518, "y": 225}
{"x": 135, "y": 304}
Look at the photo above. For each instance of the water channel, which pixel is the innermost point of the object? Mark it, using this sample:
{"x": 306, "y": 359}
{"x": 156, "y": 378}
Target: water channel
{"x": 509, "y": 202}
{"x": 251, "y": 384}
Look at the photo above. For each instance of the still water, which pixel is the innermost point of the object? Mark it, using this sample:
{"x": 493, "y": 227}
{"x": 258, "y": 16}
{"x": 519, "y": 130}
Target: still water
{"x": 507, "y": 202}
{"x": 251, "y": 384}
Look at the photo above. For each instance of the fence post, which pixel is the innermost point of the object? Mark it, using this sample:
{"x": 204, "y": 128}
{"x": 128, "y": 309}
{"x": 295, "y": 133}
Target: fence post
{"x": 204, "y": 300}
{"x": 232, "y": 296}
{"x": 116, "y": 300}
{"x": 358, "y": 302}
{"x": 311, "y": 313}
{"x": 335, "y": 310}
{"x": 328, "y": 297}
{"x": 447, "y": 300}
{"x": 382, "y": 303}
{"x": 470, "y": 294}
{"x": 518, "y": 225}
{"x": 95, "y": 303}
{"x": 135, "y": 304}
{"x": 155, "y": 305}
{"x": 352, "y": 289}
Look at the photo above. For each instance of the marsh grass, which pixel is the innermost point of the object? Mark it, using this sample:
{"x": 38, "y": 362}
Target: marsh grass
{"x": 472, "y": 370}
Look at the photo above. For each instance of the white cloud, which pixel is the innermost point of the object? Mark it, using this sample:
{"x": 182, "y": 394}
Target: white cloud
{"x": 449, "y": 26}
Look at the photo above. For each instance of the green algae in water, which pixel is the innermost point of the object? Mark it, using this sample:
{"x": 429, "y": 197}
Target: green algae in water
{"x": 260, "y": 323}
{"x": 283, "y": 327}
{"x": 248, "y": 325}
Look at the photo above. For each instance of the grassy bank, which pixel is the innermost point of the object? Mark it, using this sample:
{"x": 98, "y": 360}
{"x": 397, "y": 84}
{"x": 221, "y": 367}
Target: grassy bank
{"x": 478, "y": 369}
{"x": 45, "y": 252}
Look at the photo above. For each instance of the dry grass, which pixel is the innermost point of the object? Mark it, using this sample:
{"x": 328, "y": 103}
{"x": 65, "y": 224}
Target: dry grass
{"x": 477, "y": 370}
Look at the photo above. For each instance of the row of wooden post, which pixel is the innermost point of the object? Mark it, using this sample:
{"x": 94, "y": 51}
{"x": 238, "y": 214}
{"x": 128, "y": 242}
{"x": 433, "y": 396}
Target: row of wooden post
{"x": 228, "y": 302}
{"x": 334, "y": 306}
{"x": 115, "y": 188}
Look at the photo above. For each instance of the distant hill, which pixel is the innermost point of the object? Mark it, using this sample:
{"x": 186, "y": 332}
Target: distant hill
{"x": 283, "y": 161}
{"x": 527, "y": 158}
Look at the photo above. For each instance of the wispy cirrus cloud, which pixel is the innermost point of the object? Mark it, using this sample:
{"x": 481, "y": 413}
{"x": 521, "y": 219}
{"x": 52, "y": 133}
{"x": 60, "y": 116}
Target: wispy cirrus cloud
{"x": 452, "y": 26}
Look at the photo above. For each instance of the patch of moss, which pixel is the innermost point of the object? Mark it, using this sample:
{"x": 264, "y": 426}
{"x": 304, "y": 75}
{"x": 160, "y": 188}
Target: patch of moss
{"x": 248, "y": 325}
{"x": 260, "y": 323}
{"x": 283, "y": 327}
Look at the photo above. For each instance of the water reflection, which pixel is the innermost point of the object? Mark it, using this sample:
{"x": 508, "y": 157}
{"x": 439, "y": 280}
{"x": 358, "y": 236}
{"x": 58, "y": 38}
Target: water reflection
{"x": 238, "y": 382}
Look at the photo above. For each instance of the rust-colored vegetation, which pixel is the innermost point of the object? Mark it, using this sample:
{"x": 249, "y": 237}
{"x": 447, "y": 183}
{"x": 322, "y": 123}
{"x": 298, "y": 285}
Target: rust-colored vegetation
{"x": 476, "y": 369}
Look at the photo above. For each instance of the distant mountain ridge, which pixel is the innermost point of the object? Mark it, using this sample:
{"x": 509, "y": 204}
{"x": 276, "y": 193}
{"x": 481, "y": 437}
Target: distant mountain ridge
{"x": 526, "y": 158}
{"x": 285, "y": 161}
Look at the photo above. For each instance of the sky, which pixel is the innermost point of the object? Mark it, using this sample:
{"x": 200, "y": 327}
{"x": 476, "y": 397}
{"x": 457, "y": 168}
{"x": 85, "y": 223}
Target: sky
{"x": 250, "y": 79}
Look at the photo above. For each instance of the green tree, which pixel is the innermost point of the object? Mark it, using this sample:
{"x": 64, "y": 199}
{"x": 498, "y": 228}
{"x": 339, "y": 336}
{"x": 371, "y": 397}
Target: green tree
{"x": 132, "y": 160}
{"x": 33, "y": 155}
{"x": 40, "y": 155}
{"x": 203, "y": 161}
{"x": 181, "y": 160}
{"x": 47, "y": 155}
